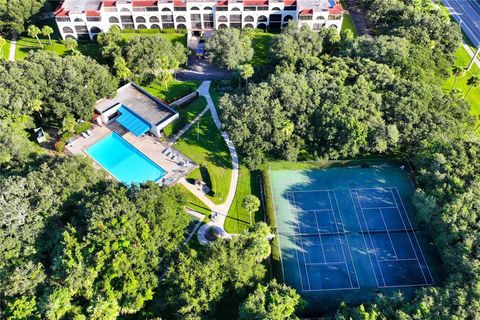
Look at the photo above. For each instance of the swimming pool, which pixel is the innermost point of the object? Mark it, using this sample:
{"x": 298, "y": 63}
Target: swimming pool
{"x": 123, "y": 161}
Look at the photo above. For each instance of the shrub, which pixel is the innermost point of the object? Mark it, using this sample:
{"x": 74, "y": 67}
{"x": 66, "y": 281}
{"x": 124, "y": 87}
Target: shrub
{"x": 169, "y": 31}
{"x": 82, "y": 127}
{"x": 66, "y": 136}
{"x": 149, "y": 31}
{"x": 60, "y": 145}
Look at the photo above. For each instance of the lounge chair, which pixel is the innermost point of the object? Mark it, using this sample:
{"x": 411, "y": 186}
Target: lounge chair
{"x": 89, "y": 132}
{"x": 85, "y": 135}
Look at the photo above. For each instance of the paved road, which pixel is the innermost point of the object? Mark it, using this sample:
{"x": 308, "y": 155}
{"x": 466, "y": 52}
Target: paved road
{"x": 467, "y": 14}
{"x": 199, "y": 69}
{"x": 358, "y": 17}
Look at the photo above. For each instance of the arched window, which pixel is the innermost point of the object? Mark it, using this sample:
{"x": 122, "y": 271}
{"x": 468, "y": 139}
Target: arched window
{"x": 276, "y": 9}
{"x": 287, "y": 18}
{"x": 67, "y": 30}
{"x": 140, "y": 19}
{"x": 262, "y": 19}
{"x": 155, "y": 26}
{"x": 70, "y": 37}
{"x": 222, "y": 19}
{"x": 320, "y": 18}
{"x": 181, "y": 26}
{"x": 195, "y": 8}
{"x": 222, "y": 26}
{"x": 208, "y": 8}
{"x": 249, "y": 19}
{"x": 78, "y": 20}
{"x": 333, "y": 26}
{"x": 262, "y": 26}
{"x": 166, "y": 9}
{"x": 154, "y": 19}
{"x": 95, "y": 30}
{"x": 249, "y": 26}
{"x": 125, "y": 10}
{"x": 142, "y": 26}
{"x": 113, "y": 20}
{"x": 180, "y": 19}
{"x": 235, "y": 9}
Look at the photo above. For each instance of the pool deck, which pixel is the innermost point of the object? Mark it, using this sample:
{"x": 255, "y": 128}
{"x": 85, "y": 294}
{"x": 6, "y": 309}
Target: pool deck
{"x": 151, "y": 146}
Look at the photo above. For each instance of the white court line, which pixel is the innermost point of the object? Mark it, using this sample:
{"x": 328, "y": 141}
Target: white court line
{"x": 334, "y": 289}
{"x": 295, "y": 240}
{"x": 380, "y": 208}
{"x": 325, "y": 263}
{"x": 371, "y": 240}
{"x": 415, "y": 236}
{"x": 363, "y": 235}
{"x": 341, "y": 246}
{"x": 408, "y": 235}
{"x": 321, "y": 242}
{"x": 346, "y": 239}
{"x": 393, "y": 260}
{"x": 303, "y": 249}
{"x": 388, "y": 233}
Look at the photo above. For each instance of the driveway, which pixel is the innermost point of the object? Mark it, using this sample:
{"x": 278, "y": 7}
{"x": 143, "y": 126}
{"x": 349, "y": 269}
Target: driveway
{"x": 358, "y": 17}
{"x": 467, "y": 14}
{"x": 200, "y": 69}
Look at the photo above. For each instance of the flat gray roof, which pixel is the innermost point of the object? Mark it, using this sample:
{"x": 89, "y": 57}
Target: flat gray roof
{"x": 142, "y": 103}
{"x": 80, "y": 6}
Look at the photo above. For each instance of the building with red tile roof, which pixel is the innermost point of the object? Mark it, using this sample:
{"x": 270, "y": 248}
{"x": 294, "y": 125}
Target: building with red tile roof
{"x": 84, "y": 19}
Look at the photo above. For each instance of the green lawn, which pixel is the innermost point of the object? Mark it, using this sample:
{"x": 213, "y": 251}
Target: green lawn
{"x": 176, "y": 89}
{"x": 205, "y": 145}
{"x": 238, "y": 218}
{"x": 348, "y": 24}
{"x": 26, "y": 44}
{"x": 185, "y": 115}
{"x": 5, "y": 50}
{"x": 193, "y": 202}
{"x": 463, "y": 58}
{"x": 261, "y": 45}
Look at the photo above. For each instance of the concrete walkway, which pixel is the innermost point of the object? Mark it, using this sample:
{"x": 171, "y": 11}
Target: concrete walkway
{"x": 180, "y": 133}
{"x": 471, "y": 53}
{"x": 13, "y": 46}
{"x": 219, "y": 211}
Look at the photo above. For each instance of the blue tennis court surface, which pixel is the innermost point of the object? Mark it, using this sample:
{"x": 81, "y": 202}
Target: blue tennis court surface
{"x": 346, "y": 234}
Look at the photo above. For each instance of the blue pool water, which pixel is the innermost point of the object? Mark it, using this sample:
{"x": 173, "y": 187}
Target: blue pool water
{"x": 124, "y": 161}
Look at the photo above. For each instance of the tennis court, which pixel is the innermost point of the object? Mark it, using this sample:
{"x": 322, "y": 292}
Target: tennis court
{"x": 349, "y": 233}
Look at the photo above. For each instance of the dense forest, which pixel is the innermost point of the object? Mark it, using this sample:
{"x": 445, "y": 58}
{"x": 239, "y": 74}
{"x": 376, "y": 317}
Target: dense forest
{"x": 76, "y": 245}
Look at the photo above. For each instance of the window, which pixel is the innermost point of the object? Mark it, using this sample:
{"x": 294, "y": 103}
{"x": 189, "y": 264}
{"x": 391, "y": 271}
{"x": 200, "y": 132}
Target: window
{"x": 180, "y": 9}
{"x": 67, "y": 30}
{"x": 222, "y": 26}
{"x": 334, "y": 17}
{"x": 262, "y": 8}
{"x": 63, "y": 19}
{"x": 235, "y": 18}
{"x": 126, "y": 19}
{"x": 304, "y": 18}
{"x": 196, "y": 25}
{"x": 124, "y": 10}
{"x": 320, "y": 18}
{"x": 249, "y": 26}
{"x": 168, "y": 26}
{"x": 110, "y": 9}
{"x": 181, "y": 26}
{"x": 113, "y": 20}
{"x": 196, "y": 17}
{"x": 275, "y": 18}
{"x": 262, "y": 19}
{"x": 166, "y": 9}
{"x": 95, "y": 30}
{"x": 78, "y": 20}
{"x": 208, "y": 17}
{"x": 140, "y": 19}
{"x": 276, "y": 9}
{"x": 290, "y": 8}
{"x": 287, "y": 18}
{"x": 155, "y": 26}
{"x": 236, "y": 25}
{"x": 250, "y": 8}
{"x": 167, "y": 18}
{"x": 154, "y": 19}
{"x": 221, "y": 9}
{"x": 180, "y": 19}
{"x": 249, "y": 19}
{"x": 195, "y": 8}
{"x": 208, "y": 8}
{"x": 208, "y": 25}
{"x": 318, "y": 26}
{"x": 81, "y": 29}
{"x": 141, "y": 26}
{"x": 94, "y": 19}
{"x": 235, "y": 9}
{"x": 222, "y": 19}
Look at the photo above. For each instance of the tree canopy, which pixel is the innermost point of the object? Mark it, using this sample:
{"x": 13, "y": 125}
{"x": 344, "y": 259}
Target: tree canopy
{"x": 15, "y": 14}
{"x": 229, "y": 48}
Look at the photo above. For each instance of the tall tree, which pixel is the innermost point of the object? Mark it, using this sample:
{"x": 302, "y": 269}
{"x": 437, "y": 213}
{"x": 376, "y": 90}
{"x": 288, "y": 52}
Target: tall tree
{"x": 229, "y": 48}
{"x": 472, "y": 82}
{"x": 14, "y": 14}
{"x": 251, "y": 203}
{"x": 457, "y": 72}
{"x": 33, "y": 31}
{"x": 47, "y": 32}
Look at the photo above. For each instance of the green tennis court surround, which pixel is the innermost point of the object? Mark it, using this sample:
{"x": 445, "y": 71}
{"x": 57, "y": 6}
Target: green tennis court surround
{"x": 346, "y": 234}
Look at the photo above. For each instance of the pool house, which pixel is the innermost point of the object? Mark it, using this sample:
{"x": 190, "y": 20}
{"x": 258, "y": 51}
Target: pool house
{"x": 136, "y": 110}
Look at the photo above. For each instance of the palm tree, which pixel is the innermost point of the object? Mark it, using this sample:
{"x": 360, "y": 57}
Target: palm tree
{"x": 457, "y": 72}
{"x": 47, "y": 31}
{"x": 70, "y": 44}
{"x": 33, "y": 31}
{"x": 251, "y": 204}
{"x": 473, "y": 81}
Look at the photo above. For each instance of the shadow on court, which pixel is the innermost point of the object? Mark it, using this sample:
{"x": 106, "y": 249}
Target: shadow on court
{"x": 347, "y": 234}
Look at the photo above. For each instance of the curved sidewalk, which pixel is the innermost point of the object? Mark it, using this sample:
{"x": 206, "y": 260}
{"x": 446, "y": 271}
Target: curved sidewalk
{"x": 219, "y": 211}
